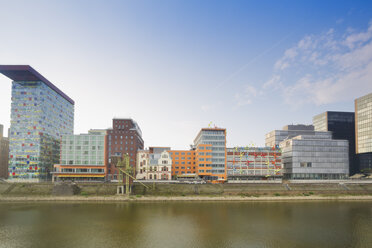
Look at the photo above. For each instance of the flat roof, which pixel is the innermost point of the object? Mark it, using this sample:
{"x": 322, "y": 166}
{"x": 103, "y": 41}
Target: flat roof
{"x": 27, "y": 73}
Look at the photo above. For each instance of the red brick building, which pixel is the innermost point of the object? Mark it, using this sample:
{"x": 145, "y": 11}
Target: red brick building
{"x": 125, "y": 136}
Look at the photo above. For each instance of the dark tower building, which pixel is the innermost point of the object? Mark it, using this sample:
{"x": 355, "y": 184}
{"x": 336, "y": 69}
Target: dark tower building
{"x": 124, "y": 137}
{"x": 342, "y": 126}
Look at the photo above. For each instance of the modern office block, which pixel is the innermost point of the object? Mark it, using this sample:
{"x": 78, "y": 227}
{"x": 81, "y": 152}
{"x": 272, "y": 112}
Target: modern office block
{"x": 363, "y": 132}
{"x": 154, "y": 164}
{"x": 254, "y": 163}
{"x": 342, "y": 126}
{"x": 315, "y": 156}
{"x": 210, "y": 145}
{"x": 273, "y": 138}
{"x": 83, "y": 157}
{"x": 125, "y": 137}
{"x": 4, "y": 154}
{"x": 40, "y": 115}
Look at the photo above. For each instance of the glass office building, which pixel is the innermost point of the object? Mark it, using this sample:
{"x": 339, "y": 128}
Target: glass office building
{"x": 363, "y": 132}
{"x": 83, "y": 157}
{"x": 216, "y": 138}
{"x": 40, "y": 115}
{"x": 315, "y": 156}
{"x": 342, "y": 126}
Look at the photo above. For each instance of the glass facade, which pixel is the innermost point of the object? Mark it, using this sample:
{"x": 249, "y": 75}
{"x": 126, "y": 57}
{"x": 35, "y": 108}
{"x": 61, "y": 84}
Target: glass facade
{"x": 315, "y": 156}
{"x": 363, "y": 132}
{"x": 274, "y": 138}
{"x": 39, "y": 118}
{"x": 217, "y": 139}
{"x": 342, "y": 126}
{"x": 363, "y": 111}
{"x": 83, "y": 149}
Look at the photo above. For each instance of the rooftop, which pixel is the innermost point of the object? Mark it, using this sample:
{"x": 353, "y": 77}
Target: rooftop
{"x": 27, "y": 73}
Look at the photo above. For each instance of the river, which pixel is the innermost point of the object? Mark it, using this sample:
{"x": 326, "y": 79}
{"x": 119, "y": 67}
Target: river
{"x": 187, "y": 224}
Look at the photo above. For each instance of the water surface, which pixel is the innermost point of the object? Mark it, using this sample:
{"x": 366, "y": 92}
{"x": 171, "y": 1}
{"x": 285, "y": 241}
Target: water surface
{"x": 187, "y": 224}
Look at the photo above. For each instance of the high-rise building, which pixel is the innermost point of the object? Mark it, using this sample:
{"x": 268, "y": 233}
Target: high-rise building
{"x": 125, "y": 137}
{"x": 363, "y": 132}
{"x": 316, "y": 156}
{"x": 4, "y": 154}
{"x": 154, "y": 164}
{"x": 83, "y": 157}
{"x": 342, "y": 126}
{"x": 40, "y": 115}
{"x": 210, "y": 154}
{"x": 274, "y": 138}
{"x": 254, "y": 163}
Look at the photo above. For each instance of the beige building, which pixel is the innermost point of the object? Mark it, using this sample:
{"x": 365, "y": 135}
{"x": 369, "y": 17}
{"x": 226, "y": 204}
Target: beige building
{"x": 363, "y": 132}
{"x": 4, "y": 154}
{"x": 154, "y": 164}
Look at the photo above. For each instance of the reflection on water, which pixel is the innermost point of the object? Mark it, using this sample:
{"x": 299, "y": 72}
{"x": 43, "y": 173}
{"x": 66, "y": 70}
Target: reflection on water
{"x": 186, "y": 224}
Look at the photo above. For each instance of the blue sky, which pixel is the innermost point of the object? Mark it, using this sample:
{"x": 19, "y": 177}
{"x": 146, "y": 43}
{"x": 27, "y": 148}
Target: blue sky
{"x": 176, "y": 66}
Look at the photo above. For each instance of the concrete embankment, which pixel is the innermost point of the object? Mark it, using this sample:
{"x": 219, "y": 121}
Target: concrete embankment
{"x": 107, "y": 191}
{"x": 139, "y": 198}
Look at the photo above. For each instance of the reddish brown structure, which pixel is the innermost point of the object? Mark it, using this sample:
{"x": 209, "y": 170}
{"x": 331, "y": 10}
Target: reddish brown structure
{"x": 124, "y": 137}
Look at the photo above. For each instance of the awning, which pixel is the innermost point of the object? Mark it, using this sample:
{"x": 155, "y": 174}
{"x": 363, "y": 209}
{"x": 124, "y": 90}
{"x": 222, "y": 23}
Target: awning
{"x": 81, "y": 176}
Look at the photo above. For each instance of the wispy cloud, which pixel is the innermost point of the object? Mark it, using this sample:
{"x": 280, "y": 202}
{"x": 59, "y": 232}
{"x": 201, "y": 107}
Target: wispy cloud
{"x": 245, "y": 97}
{"x": 325, "y": 68}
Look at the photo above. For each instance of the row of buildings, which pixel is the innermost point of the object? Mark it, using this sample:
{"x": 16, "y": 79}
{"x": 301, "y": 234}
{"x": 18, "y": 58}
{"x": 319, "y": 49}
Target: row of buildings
{"x": 90, "y": 157}
{"x": 336, "y": 146}
{"x": 41, "y": 144}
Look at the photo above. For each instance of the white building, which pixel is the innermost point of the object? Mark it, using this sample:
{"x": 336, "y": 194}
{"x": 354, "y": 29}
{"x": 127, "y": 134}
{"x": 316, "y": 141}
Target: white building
{"x": 154, "y": 164}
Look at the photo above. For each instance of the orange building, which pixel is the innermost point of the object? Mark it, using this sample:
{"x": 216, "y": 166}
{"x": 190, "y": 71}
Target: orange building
{"x": 206, "y": 160}
{"x": 183, "y": 162}
{"x": 213, "y": 158}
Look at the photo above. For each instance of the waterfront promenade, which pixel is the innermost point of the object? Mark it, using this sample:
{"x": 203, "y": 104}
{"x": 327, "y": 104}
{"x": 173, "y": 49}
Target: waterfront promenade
{"x": 351, "y": 190}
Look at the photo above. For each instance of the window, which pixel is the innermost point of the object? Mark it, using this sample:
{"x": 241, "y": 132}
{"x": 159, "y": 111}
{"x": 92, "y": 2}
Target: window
{"x": 305, "y": 165}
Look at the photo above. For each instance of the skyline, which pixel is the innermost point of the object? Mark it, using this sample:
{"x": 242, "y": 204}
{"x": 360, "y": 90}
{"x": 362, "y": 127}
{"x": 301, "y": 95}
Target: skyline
{"x": 287, "y": 72}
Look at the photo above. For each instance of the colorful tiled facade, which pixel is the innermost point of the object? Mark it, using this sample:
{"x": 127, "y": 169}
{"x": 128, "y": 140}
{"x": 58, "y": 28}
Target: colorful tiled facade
{"x": 254, "y": 163}
{"x": 40, "y": 115}
{"x": 4, "y": 154}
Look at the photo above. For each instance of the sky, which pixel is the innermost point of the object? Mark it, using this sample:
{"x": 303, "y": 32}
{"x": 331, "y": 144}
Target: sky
{"x": 177, "y": 66}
